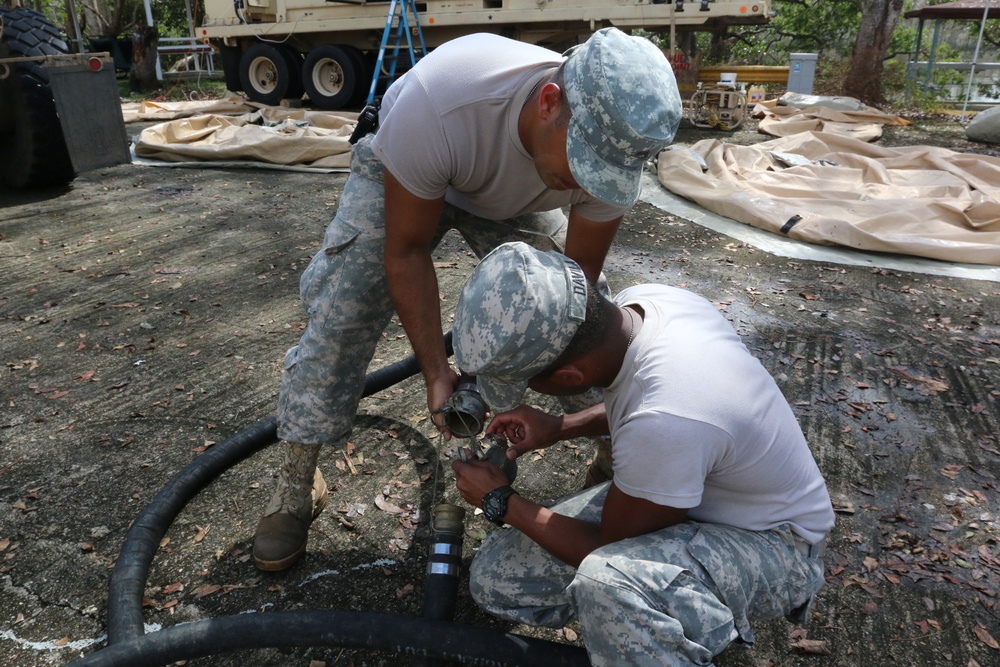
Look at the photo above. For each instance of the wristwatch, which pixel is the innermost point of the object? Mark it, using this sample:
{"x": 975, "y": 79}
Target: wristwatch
{"x": 495, "y": 504}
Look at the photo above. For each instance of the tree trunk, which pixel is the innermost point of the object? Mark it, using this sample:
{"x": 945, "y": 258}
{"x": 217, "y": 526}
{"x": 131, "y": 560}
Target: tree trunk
{"x": 142, "y": 75}
{"x": 864, "y": 79}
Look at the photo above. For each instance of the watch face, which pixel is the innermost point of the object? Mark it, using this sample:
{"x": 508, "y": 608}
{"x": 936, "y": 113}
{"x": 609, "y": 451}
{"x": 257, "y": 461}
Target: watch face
{"x": 493, "y": 508}
{"x": 495, "y": 504}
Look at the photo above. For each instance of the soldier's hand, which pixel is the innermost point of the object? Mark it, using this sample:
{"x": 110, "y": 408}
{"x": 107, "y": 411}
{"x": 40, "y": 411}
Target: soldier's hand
{"x": 526, "y": 429}
{"x": 437, "y": 396}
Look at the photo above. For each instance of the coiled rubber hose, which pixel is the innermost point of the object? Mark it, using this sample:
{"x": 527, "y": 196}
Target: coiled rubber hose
{"x": 128, "y": 645}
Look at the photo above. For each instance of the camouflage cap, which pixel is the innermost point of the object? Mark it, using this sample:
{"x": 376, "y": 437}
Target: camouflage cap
{"x": 517, "y": 313}
{"x": 626, "y": 109}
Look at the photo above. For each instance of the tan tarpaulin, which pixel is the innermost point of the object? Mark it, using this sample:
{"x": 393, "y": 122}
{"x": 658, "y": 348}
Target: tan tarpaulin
{"x": 278, "y": 136}
{"x": 232, "y": 103}
{"x": 917, "y": 200}
{"x": 784, "y": 121}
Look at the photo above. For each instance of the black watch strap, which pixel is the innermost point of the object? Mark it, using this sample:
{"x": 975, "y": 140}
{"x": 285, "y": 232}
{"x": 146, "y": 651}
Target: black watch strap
{"x": 495, "y": 504}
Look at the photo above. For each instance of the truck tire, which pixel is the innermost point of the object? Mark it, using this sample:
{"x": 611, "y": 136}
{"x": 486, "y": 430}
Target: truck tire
{"x": 33, "y": 151}
{"x": 332, "y": 76}
{"x": 268, "y": 74}
{"x": 294, "y": 60}
{"x": 365, "y": 70}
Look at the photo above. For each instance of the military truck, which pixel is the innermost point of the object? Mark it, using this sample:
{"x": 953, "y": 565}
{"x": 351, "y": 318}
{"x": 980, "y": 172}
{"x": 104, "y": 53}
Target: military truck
{"x": 276, "y": 49}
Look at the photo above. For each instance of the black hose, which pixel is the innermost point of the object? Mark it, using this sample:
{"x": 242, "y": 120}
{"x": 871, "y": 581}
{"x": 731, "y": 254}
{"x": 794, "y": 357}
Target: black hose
{"x": 410, "y": 636}
{"x": 419, "y": 637}
{"x": 128, "y": 581}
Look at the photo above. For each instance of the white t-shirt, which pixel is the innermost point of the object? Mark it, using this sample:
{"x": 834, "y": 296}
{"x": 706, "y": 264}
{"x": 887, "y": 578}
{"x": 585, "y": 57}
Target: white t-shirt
{"x": 449, "y": 127}
{"x": 697, "y": 422}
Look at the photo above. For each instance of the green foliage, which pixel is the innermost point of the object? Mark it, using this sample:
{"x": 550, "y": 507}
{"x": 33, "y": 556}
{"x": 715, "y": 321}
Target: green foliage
{"x": 828, "y": 27}
{"x": 97, "y": 17}
{"x": 814, "y": 26}
{"x": 176, "y": 90}
{"x": 171, "y": 16}
{"x": 907, "y": 93}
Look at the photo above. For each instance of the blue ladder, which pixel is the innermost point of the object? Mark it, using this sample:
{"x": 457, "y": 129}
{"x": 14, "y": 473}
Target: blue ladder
{"x": 401, "y": 12}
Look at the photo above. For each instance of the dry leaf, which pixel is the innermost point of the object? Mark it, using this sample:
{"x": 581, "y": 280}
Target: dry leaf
{"x": 386, "y": 506}
{"x": 814, "y": 646}
{"x": 203, "y": 446}
{"x": 843, "y": 507}
{"x": 404, "y": 591}
{"x": 4, "y": 543}
{"x": 951, "y": 471}
{"x": 206, "y": 589}
{"x": 61, "y": 642}
{"x": 202, "y": 532}
{"x": 986, "y": 638}
{"x": 172, "y": 588}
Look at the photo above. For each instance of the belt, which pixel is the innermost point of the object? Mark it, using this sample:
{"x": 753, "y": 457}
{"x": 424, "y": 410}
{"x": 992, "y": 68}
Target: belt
{"x": 811, "y": 550}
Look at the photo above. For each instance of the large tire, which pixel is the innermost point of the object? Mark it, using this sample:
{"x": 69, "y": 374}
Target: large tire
{"x": 32, "y": 148}
{"x": 268, "y": 74}
{"x": 294, "y": 60}
{"x": 331, "y": 76}
{"x": 365, "y": 70}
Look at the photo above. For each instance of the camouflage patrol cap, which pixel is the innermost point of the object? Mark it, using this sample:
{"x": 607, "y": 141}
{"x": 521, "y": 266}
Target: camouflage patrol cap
{"x": 518, "y": 312}
{"x": 626, "y": 109}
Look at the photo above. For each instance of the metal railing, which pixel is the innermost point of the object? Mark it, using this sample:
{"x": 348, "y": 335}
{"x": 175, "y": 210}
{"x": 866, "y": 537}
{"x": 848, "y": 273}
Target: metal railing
{"x": 200, "y": 52}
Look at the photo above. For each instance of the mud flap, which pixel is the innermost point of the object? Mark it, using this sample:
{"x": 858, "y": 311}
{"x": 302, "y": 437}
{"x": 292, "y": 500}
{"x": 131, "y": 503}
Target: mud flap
{"x": 86, "y": 96}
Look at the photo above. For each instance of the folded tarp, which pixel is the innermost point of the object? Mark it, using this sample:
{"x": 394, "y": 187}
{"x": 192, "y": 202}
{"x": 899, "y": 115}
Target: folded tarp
{"x": 278, "y": 136}
{"x": 147, "y": 110}
{"x": 834, "y": 190}
{"x": 783, "y": 121}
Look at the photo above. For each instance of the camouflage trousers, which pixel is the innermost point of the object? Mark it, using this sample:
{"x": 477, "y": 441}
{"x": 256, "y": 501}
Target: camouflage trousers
{"x": 345, "y": 293}
{"x": 678, "y": 596}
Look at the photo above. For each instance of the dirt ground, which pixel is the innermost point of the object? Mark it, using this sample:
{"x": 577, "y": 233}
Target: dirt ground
{"x": 145, "y": 312}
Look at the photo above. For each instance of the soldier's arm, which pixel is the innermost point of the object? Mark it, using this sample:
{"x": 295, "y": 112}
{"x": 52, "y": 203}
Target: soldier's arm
{"x": 588, "y": 242}
{"x": 410, "y": 225}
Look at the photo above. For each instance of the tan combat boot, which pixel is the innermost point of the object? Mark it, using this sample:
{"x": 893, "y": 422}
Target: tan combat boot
{"x": 601, "y": 468}
{"x": 282, "y": 532}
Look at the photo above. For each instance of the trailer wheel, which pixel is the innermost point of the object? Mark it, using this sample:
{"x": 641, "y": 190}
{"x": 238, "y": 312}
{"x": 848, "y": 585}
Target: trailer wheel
{"x": 266, "y": 72}
{"x": 331, "y": 76}
{"x": 33, "y": 151}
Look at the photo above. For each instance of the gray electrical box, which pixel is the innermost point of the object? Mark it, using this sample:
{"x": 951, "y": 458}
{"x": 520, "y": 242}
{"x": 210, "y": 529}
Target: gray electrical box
{"x": 801, "y": 72}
